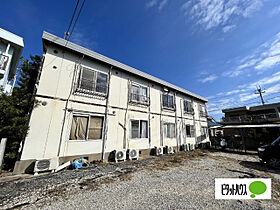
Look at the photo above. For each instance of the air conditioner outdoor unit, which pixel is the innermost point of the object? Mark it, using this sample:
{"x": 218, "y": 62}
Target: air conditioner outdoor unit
{"x": 120, "y": 155}
{"x": 46, "y": 165}
{"x": 191, "y": 146}
{"x": 185, "y": 147}
{"x": 133, "y": 154}
{"x": 169, "y": 149}
{"x": 158, "y": 151}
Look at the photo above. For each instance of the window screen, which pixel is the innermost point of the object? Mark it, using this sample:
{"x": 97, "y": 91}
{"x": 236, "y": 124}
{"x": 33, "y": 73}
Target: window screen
{"x": 101, "y": 83}
{"x": 95, "y": 128}
{"x": 87, "y": 80}
{"x": 91, "y": 81}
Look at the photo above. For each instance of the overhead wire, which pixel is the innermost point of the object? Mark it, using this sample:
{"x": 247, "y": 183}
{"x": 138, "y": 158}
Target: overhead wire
{"x": 76, "y": 20}
{"x": 72, "y": 18}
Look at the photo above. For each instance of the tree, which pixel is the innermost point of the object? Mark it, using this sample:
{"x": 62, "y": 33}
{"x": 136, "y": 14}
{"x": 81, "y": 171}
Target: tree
{"x": 15, "y": 109}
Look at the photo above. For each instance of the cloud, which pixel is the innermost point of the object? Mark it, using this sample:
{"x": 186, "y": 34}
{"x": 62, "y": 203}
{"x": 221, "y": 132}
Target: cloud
{"x": 214, "y": 13}
{"x": 275, "y": 11}
{"x": 209, "y": 78}
{"x": 80, "y": 38}
{"x": 152, "y": 3}
{"x": 245, "y": 94}
{"x": 160, "y": 4}
{"x": 228, "y": 28}
{"x": 268, "y": 62}
{"x": 265, "y": 56}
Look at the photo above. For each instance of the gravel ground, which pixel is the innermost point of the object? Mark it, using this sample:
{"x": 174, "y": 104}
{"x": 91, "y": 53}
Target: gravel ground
{"x": 180, "y": 181}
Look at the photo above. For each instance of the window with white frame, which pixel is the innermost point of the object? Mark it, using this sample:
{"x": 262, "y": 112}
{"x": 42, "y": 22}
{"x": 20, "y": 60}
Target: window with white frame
{"x": 188, "y": 106}
{"x": 189, "y": 130}
{"x": 168, "y": 101}
{"x": 91, "y": 81}
{"x": 139, "y": 129}
{"x": 86, "y": 128}
{"x": 202, "y": 110}
{"x": 204, "y": 131}
{"x": 169, "y": 130}
{"x": 139, "y": 94}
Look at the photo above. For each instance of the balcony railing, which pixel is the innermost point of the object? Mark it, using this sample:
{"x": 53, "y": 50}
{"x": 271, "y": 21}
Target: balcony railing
{"x": 251, "y": 118}
{"x": 140, "y": 99}
{"x": 3, "y": 62}
{"x": 203, "y": 114}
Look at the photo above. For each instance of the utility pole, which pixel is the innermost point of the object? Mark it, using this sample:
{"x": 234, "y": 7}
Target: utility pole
{"x": 260, "y": 92}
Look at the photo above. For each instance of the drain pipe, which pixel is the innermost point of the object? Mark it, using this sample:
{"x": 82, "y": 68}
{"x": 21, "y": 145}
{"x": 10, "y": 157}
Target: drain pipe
{"x": 176, "y": 123}
{"x": 183, "y": 139}
{"x": 106, "y": 115}
{"x": 125, "y": 141}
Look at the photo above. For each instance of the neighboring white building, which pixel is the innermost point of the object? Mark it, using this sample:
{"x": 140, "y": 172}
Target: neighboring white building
{"x": 11, "y": 47}
{"x": 93, "y": 105}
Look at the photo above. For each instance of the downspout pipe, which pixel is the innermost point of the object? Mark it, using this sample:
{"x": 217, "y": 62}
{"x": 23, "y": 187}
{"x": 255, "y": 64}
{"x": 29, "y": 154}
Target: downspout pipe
{"x": 106, "y": 116}
{"x": 176, "y": 124}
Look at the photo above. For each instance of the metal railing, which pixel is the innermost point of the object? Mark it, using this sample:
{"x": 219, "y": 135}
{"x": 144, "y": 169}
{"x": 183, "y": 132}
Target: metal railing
{"x": 251, "y": 118}
{"x": 141, "y": 99}
{"x": 203, "y": 114}
{"x": 3, "y": 62}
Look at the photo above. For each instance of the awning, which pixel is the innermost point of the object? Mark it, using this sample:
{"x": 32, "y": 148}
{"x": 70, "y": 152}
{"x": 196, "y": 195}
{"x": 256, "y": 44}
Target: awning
{"x": 253, "y": 126}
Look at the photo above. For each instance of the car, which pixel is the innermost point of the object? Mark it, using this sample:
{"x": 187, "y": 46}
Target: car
{"x": 270, "y": 153}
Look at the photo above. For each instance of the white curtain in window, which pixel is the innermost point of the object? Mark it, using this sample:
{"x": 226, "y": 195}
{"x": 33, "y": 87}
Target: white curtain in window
{"x": 79, "y": 128}
{"x": 144, "y": 125}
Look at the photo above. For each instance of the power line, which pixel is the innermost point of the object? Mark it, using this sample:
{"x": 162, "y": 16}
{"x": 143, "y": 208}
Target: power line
{"x": 76, "y": 19}
{"x": 73, "y": 15}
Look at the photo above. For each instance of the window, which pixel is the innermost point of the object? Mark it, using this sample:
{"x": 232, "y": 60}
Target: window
{"x": 139, "y": 94}
{"x": 86, "y": 128}
{"x": 3, "y": 61}
{"x": 189, "y": 130}
{"x": 204, "y": 132}
{"x": 188, "y": 106}
{"x": 202, "y": 110}
{"x": 139, "y": 129}
{"x": 169, "y": 130}
{"x": 167, "y": 101}
{"x": 91, "y": 81}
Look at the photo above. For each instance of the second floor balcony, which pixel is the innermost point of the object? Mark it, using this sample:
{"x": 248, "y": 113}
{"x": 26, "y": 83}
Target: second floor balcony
{"x": 251, "y": 118}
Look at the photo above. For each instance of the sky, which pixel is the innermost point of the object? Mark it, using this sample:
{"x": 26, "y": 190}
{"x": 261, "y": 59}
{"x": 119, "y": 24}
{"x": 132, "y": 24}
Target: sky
{"x": 219, "y": 49}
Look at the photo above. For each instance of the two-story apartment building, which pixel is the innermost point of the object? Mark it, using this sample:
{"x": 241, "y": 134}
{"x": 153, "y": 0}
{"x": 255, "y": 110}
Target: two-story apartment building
{"x": 11, "y": 47}
{"x": 93, "y": 105}
{"x": 252, "y": 125}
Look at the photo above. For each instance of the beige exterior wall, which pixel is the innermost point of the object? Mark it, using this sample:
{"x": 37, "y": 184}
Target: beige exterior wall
{"x": 50, "y": 123}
